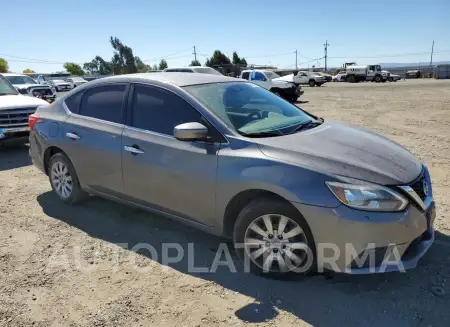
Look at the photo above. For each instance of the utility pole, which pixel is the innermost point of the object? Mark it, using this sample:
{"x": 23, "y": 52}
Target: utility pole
{"x": 326, "y": 53}
{"x": 432, "y": 50}
{"x": 296, "y": 67}
{"x": 195, "y": 54}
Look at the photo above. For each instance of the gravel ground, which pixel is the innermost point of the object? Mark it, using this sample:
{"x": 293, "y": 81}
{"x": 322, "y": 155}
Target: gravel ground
{"x": 63, "y": 266}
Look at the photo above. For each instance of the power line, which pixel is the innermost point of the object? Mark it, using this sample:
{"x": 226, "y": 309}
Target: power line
{"x": 167, "y": 56}
{"x": 390, "y": 56}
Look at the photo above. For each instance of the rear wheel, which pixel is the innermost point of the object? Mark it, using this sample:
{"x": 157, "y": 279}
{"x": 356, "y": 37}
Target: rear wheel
{"x": 312, "y": 83}
{"x": 64, "y": 179}
{"x": 350, "y": 78}
{"x": 390, "y": 79}
{"x": 274, "y": 239}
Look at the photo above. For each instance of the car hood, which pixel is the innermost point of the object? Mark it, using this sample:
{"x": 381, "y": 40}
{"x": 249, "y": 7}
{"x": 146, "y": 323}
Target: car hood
{"x": 345, "y": 150}
{"x": 287, "y": 78}
{"x": 19, "y": 101}
{"x": 25, "y": 86}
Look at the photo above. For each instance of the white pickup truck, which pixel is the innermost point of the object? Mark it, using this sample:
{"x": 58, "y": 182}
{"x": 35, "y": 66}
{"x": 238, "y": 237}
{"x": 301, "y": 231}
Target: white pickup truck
{"x": 15, "y": 109}
{"x": 305, "y": 77}
{"x": 272, "y": 82}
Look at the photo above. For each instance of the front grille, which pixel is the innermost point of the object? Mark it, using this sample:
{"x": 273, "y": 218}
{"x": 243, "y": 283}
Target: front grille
{"x": 417, "y": 186}
{"x": 15, "y": 117}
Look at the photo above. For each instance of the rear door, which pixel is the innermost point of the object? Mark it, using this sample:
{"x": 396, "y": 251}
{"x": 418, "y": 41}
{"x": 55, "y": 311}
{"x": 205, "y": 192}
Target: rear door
{"x": 160, "y": 171}
{"x": 92, "y": 135}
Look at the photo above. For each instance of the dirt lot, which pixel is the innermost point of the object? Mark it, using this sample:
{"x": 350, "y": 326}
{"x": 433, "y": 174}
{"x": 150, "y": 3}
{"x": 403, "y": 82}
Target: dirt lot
{"x": 61, "y": 266}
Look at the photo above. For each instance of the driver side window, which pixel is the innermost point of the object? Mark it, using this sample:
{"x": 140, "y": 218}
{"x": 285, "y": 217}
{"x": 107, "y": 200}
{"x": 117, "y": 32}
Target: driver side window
{"x": 258, "y": 76}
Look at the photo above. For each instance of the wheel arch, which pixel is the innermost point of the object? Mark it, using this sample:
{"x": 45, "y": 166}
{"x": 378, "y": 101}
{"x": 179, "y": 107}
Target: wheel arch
{"x": 49, "y": 153}
{"x": 240, "y": 200}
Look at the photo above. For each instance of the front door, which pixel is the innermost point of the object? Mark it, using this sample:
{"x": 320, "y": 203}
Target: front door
{"x": 92, "y": 135}
{"x": 178, "y": 177}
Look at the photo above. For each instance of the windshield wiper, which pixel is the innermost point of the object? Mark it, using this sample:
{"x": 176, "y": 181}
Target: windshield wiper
{"x": 262, "y": 134}
{"x": 306, "y": 124}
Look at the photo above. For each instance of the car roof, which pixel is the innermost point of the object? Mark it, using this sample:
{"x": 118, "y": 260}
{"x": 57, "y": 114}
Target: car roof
{"x": 13, "y": 74}
{"x": 179, "y": 79}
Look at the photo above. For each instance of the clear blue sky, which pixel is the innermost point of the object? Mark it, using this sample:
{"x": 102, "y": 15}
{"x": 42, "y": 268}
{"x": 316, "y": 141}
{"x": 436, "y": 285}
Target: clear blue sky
{"x": 264, "y": 32}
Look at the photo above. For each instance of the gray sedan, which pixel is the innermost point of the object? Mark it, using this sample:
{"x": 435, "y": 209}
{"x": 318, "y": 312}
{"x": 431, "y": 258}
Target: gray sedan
{"x": 295, "y": 192}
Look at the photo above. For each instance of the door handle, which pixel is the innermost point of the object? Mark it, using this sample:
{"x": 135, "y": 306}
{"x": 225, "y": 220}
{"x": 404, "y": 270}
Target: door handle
{"x": 133, "y": 149}
{"x": 72, "y": 136}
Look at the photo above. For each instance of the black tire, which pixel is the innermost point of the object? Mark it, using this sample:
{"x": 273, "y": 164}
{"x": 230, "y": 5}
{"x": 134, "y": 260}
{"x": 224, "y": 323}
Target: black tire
{"x": 264, "y": 206}
{"x": 77, "y": 194}
{"x": 350, "y": 78}
{"x": 319, "y": 84}
{"x": 377, "y": 78}
{"x": 390, "y": 79}
{"x": 312, "y": 83}
{"x": 294, "y": 98}
{"x": 276, "y": 92}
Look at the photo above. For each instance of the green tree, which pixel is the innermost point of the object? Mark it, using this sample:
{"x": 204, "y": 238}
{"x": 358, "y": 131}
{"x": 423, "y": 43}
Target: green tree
{"x": 4, "y": 67}
{"x": 28, "y": 71}
{"x": 141, "y": 66}
{"x": 98, "y": 66}
{"x": 163, "y": 64}
{"x": 74, "y": 69}
{"x": 155, "y": 67}
{"x": 218, "y": 58}
{"x": 123, "y": 61}
{"x": 195, "y": 63}
{"x": 237, "y": 60}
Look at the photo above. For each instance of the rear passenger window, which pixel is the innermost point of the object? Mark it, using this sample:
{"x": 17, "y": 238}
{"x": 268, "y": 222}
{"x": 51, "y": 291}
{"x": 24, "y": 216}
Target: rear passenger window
{"x": 73, "y": 102}
{"x": 103, "y": 102}
{"x": 245, "y": 75}
{"x": 158, "y": 110}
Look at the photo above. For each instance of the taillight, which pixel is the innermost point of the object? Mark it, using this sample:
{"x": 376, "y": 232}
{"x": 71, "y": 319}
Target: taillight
{"x": 32, "y": 120}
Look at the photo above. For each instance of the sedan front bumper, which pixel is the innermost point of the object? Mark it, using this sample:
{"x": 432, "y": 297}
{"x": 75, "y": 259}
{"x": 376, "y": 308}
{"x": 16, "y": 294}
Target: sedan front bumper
{"x": 364, "y": 242}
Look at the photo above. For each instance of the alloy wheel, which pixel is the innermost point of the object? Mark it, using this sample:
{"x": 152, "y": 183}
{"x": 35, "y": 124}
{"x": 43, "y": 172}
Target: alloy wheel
{"x": 61, "y": 179}
{"x": 276, "y": 243}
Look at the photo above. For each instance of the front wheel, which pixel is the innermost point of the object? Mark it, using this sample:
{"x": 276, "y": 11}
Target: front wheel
{"x": 377, "y": 79}
{"x": 312, "y": 83}
{"x": 273, "y": 238}
{"x": 64, "y": 180}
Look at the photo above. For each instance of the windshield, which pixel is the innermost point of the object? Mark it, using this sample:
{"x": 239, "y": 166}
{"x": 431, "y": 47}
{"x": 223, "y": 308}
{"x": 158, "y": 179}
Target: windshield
{"x": 207, "y": 70}
{"x": 271, "y": 75}
{"x": 6, "y": 87}
{"x": 21, "y": 79}
{"x": 58, "y": 81}
{"x": 77, "y": 79}
{"x": 248, "y": 108}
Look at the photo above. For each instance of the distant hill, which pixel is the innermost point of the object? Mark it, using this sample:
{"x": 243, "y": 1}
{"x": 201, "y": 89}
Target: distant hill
{"x": 412, "y": 64}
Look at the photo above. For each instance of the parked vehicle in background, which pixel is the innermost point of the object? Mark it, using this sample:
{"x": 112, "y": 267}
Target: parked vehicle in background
{"x": 15, "y": 109}
{"x": 371, "y": 73}
{"x": 304, "y": 77}
{"x": 75, "y": 81}
{"x": 327, "y": 76}
{"x": 233, "y": 159}
{"x": 28, "y": 86}
{"x": 273, "y": 82}
{"x": 416, "y": 73}
{"x": 193, "y": 69}
{"x": 60, "y": 85}
{"x": 391, "y": 77}
{"x": 340, "y": 77}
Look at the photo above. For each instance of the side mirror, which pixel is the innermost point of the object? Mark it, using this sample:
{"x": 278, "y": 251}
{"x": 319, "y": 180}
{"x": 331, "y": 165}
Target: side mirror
{"x": 190, "y": 132}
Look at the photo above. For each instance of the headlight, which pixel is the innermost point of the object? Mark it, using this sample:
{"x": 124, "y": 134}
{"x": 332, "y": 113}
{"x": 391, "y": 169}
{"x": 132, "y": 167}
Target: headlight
{"x": 368, "y": 196}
